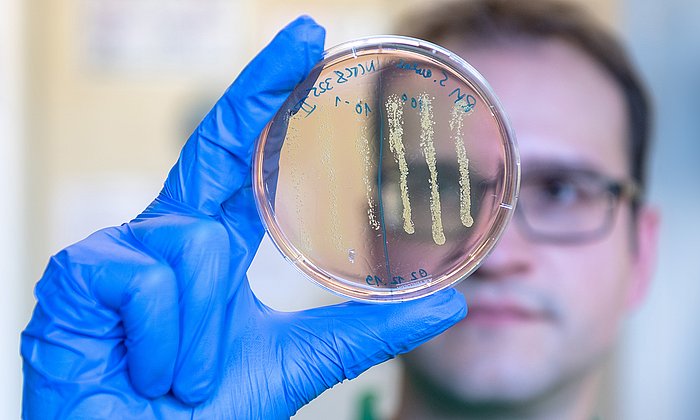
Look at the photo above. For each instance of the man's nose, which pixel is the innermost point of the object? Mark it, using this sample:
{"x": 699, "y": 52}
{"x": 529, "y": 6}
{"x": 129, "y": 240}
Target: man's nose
{"x": 512, "y": 256}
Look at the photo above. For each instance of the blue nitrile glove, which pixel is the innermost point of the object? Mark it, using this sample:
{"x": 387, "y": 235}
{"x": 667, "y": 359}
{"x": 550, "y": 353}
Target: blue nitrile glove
{"x": 155, "y": 318}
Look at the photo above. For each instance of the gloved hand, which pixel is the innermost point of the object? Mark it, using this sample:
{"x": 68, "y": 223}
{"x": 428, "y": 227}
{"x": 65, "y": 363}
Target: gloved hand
{"x": 155, "y": 318}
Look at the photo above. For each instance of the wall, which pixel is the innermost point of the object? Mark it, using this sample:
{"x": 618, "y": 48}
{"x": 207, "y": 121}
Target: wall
{"x": 659, "y": 366}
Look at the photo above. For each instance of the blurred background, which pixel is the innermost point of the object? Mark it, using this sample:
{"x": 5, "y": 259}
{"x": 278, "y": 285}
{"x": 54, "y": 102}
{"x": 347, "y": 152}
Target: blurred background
{"x": 97, "y": 97}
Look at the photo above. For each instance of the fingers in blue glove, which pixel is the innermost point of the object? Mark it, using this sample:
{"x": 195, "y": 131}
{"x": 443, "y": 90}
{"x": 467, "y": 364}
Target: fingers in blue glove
{"x": 197, "y": 250}
{"x": 92, "y": 295}
{"x": 215, "y": 162}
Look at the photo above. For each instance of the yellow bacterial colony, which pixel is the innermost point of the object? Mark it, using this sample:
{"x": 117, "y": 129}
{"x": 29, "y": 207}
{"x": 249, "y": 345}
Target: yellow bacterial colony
{"x": 426, "y": 142}
{"x": 297, "y": 179}
{"x": 364, "y": 150}
{"x": 394, "y": 108}
{"x": 456, "y": 126}
{"x": 326, "y": 134}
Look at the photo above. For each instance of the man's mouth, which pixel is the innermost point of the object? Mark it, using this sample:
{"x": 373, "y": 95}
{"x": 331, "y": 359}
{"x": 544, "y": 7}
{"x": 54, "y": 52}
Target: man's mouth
{"x": 508, "y": 302}
{"x": 501, "y": 313}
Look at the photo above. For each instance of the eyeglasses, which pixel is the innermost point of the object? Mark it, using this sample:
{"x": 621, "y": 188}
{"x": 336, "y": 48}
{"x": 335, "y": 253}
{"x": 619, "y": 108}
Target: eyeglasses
{"x": 570, "y": 205}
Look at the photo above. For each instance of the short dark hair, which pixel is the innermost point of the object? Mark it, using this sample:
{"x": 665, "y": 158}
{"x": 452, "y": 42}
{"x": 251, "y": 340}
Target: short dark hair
{"x": 489, "y": 21}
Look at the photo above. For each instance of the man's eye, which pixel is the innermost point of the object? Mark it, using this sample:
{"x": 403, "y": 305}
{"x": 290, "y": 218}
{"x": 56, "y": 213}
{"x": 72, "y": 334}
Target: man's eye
{"x": 559, "y": 192}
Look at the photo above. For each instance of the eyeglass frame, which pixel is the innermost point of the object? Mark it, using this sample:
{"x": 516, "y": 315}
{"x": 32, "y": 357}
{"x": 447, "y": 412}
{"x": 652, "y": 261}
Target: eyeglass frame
{"x": 617, "y": 189}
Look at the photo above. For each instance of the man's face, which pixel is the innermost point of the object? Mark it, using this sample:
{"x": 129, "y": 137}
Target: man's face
{"x": 543, "y": 313}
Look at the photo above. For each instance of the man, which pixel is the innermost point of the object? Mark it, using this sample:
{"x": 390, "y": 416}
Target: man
{"x": 546, "y": 306}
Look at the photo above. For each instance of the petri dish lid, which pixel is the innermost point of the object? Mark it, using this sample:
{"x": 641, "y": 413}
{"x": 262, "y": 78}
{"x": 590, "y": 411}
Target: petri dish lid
{"x": 389, "y": 173}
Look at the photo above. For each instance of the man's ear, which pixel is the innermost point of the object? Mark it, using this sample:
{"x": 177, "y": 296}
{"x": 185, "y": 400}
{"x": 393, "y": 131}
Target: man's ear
{"x": 644, "y": 258}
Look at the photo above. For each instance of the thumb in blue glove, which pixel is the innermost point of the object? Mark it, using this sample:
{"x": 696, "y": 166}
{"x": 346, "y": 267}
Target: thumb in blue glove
{"x": 155, "y": 318}
{"x": 277, "y": 362}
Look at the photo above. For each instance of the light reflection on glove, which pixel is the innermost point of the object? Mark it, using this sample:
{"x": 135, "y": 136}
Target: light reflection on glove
{"x": 155, "y": 318}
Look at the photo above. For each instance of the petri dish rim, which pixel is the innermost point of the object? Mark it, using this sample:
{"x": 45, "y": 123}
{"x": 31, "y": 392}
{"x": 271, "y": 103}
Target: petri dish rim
{"x": 385, "y": 44}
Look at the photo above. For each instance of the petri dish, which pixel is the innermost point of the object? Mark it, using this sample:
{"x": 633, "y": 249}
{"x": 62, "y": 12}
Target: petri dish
{"x": 389, "y": 173}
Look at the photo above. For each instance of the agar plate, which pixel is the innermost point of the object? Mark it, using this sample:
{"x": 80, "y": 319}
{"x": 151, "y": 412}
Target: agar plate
{"x": 389, "y": 173}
